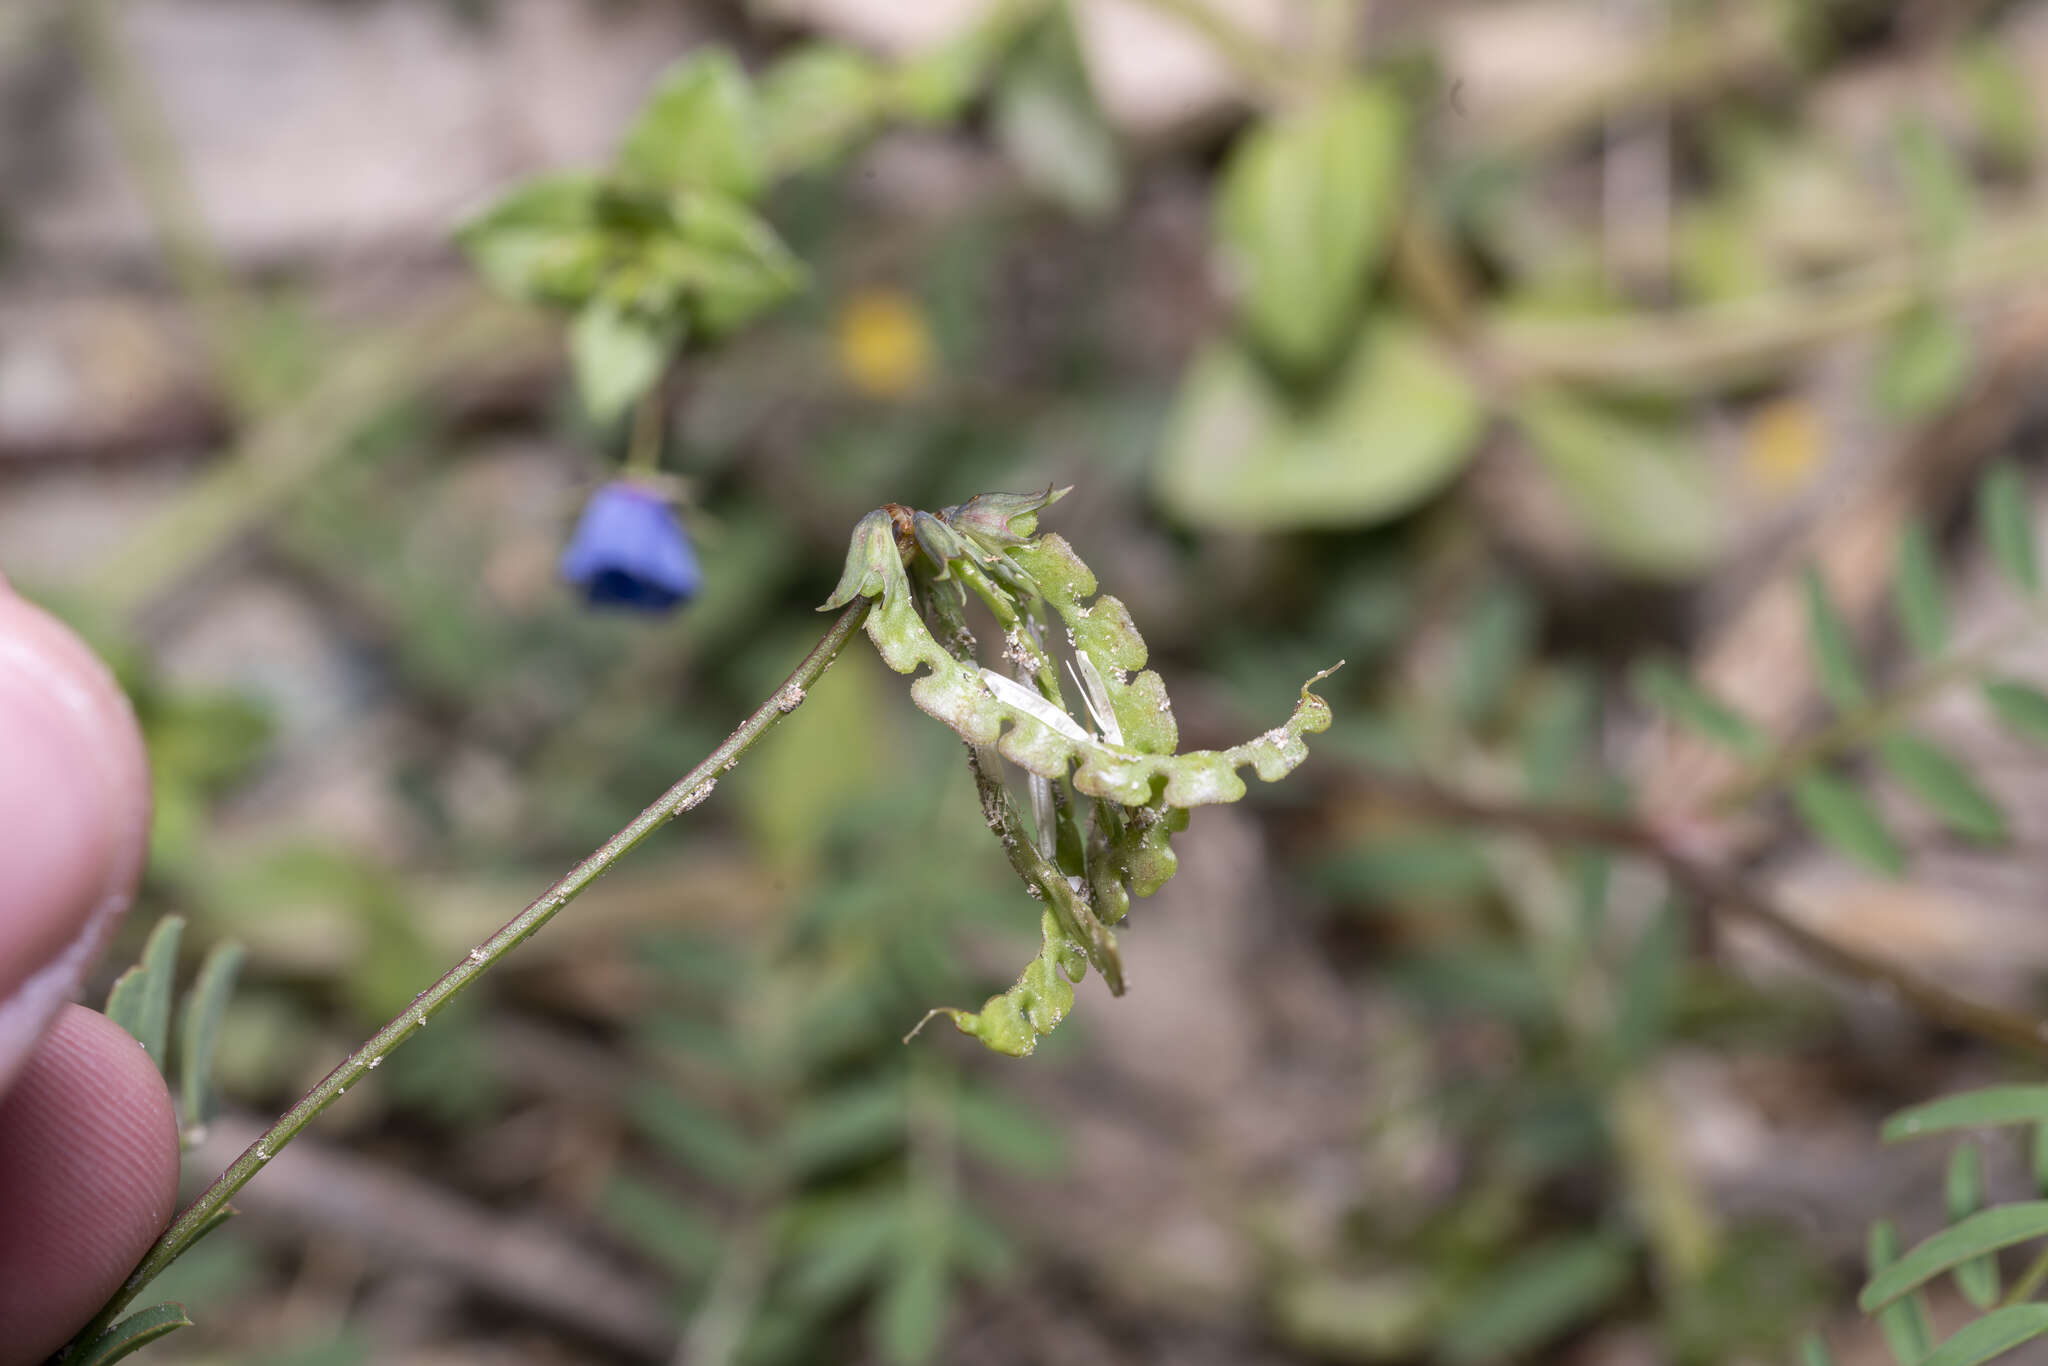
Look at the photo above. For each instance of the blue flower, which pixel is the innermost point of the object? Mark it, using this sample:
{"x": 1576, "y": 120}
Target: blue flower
{"x": 629, "y": 551}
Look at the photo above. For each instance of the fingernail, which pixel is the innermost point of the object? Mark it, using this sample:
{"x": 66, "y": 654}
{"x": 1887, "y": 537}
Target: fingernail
{"x": 74, "y": 815}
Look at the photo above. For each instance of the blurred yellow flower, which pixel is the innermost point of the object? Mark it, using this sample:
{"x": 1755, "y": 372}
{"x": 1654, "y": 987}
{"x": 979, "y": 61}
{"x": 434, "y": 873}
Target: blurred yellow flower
{"x": 885, "y": 350}
{"x": 1783, "y": 447}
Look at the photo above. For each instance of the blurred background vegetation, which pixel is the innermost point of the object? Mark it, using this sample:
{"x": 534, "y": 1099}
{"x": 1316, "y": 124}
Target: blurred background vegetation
{"x": 1498, "y": 349}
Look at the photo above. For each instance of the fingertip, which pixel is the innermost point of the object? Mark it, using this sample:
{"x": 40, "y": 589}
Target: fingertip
{"x": 74, "y": 801}
{"x": 88, "y": 1178}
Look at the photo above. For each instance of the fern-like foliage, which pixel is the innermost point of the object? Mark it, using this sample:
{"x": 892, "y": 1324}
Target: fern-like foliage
{"x": 1869, "y": 728}
{"x": 1968, "y": 1248}
{"x": 144, "y": 1001}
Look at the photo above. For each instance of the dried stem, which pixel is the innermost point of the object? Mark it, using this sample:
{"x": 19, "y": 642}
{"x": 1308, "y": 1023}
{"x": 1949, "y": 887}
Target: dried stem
{"x": 694, "y": 787}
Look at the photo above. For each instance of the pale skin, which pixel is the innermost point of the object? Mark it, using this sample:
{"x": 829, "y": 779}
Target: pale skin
{"x": 88, "y": 1139}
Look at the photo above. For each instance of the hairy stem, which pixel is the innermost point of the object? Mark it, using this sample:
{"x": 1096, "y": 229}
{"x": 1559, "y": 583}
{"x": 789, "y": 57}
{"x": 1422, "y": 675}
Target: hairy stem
{"x": 1718, "y": 891}
{"x": 693, "y": 788}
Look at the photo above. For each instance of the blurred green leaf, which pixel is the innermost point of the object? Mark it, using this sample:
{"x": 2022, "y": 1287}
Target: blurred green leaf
{"x": 1304, "y": 210}
{"x": 1535, "y": 1297}
{"x": 1952, "y": 1246}
{"x": 131, "y": 1334}
{"x": 1008, "y": 1133}
{"x": 541, "y": 242}
{"x": 1997, "y": 1333}
{"x": 1937, "y": 184}
{"x": 814, "y": 102}
{"x": 2020, "y": 707}
{"x": 677, "y": 1236}
{"x": 2000, "y": 98}
{"x": 844, "y": 1244}
{"x": 854, "y": 1123}
{"x": 1980, "y": 1109}
{"x": 2005, "y": 515}
{"x": 199, "y": 1020}
{"x": 1945, "y": 786}
{"x": 617, "y": 358}
{"x": 1813, "y": 1351}
{"x": 699, "y": 1138}
{"x": 1637, "y": 488}
{"x": 1494, "y": 637}
{"x": 1924, "y": 362}
{"x": 1917, "y": 590}
{"x": 1396, "y": 424}
{"x": 1963, "y": 1189}
{"x": 1651, "y": 978}
{"x": 1660, "y": 683}
{"x": 1903, "y": 1322}
{"x": 141, "y": 999}
{"x": 1047, "y": 121}
{"x": 910, "y": 1315}
{"x": 1844, "y": 819}
{"x": 700, "y": 128}
{"x": 1834, "y": 649}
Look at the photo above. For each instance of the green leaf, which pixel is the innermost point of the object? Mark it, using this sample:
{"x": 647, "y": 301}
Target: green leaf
{"x": 2037, "y": 1154}
{"x": 1916, "y": 587}
{"x": 141, "y": 999}
{"x": 1660, "y": 683}
{"x": 1924, "y": 363}
{"x": 1980, "y": 1109}
{"x": 1813, "y": 1351}
{"x": 1304, "y": 210}
{"x": 1538, "y": 1295}
{"x": 541, "y": 242}
{"x": 1007, "y": 1133}
{"x": 1841, "y": 817}
{"x": 676, "y": 1235}
{"x": 1834, "y": 649}
{"x": 700, "y": 128}
{"x": 617, "y": 358}
{"x": 1964, "y": 1189}
{"x": 2021, "y": 708}
{"x": 856, "y": 1123}
{"x": 199, "y": 1018}
{"x": 1996, "y": 1333}
{"x": 1650, "y": 983}
{"x": 1493, "y": 642}
{"x": 841, "y": 1247}
{"x": 1945, "y": 786}
{"x": 814, "y": 103}
{"x": 702, "y": 1139}
{"x": 1637, "y": 488}
{"x": 1984, "y": 1232}
{"x": 1047, "y": 121}
{"x": 1937, "y": 184}
{"x": 910, "y": 1313}
{"x": 2005, "y": 515}
{"x": 1392, "y": 427}
{"x": 1903, "y": 1323}
{"x": 130, "y": 1335}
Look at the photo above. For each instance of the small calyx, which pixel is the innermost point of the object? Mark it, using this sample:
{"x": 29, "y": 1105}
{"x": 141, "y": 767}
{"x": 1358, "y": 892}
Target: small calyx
{"x": 1107, "y": 791}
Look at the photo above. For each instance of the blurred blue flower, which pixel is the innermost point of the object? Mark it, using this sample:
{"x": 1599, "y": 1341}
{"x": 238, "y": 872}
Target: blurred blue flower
{"x": 630, "y": 551}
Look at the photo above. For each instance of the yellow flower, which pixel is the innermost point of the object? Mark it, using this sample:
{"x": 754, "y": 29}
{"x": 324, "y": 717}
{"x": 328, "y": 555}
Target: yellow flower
{"x": 884, "y": 347}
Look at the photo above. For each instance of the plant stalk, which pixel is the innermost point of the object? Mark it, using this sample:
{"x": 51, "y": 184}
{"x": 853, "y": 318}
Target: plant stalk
{"x": 1718, "y": 891}
{"x": 692, "y": 789}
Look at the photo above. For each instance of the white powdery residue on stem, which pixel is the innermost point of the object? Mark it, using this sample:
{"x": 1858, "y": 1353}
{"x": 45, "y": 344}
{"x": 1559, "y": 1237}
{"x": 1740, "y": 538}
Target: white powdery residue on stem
{"x": 789, "y": 699}
{"x": 696, "y": 799}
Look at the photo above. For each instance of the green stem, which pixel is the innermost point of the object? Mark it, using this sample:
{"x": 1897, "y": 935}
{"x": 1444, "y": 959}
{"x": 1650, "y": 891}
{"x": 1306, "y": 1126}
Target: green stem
{"x": 643, "y": 454}
{"x": 196, "y": 268}
{"x": 694, "y": 787}
{"x": 1853, "y": 730}
{"x": 2030, "y": 1280}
